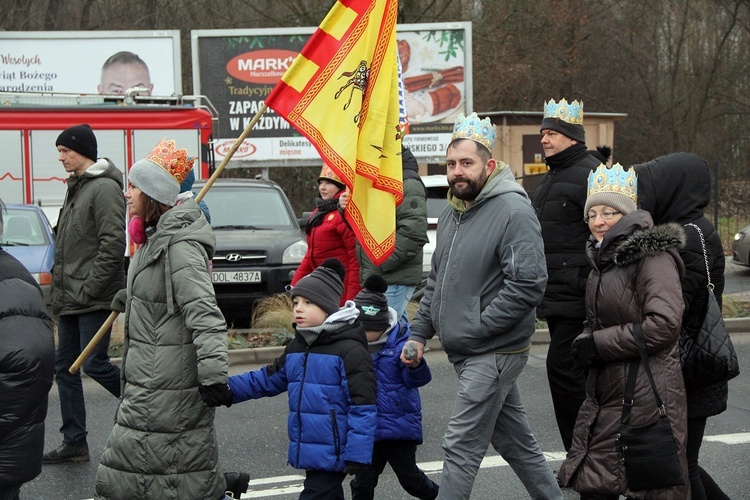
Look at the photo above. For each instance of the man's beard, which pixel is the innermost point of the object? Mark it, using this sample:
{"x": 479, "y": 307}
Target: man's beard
{"x": 472, "y": 189}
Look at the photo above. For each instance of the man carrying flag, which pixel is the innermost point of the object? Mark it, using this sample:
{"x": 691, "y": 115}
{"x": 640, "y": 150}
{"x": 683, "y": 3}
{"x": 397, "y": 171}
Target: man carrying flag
{"x": 341, "y": 92}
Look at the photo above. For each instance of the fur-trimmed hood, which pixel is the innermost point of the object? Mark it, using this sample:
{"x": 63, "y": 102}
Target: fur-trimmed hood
{"x": 647, "y": 242}
{"x": 633, "y": 238}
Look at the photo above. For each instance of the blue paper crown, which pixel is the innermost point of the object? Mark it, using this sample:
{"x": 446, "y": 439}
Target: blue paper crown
{"x": 481, "y": 131}
{"x": 613, "y": 180}
{"x": 567, "y": 112}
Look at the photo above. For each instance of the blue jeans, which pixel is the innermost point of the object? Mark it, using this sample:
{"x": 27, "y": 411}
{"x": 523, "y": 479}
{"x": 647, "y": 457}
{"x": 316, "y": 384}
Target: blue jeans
{"x": 398, "y": 298}
{"x": 74, "y": 332}
{"x": 488, "y": 410}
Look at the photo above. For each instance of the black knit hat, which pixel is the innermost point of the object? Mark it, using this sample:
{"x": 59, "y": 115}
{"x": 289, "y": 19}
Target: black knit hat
{"x": 324, "y": 286}
{"x": 571, "y": 130}
{"x": 79, "y": 138}
{"x": 373, "y": 305}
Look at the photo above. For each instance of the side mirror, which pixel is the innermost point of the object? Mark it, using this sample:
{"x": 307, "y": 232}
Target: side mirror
{"x": 303, "y": 220}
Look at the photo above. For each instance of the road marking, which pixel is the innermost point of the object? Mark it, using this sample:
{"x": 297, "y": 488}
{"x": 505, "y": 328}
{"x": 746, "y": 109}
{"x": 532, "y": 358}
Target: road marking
{"x": 292, "y": 484}
{"x": 739, "y": 438}
{"x": 428, "y": 467}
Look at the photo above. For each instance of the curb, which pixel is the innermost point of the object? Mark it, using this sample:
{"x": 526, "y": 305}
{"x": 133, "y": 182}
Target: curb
{"x": 264, "y": 355}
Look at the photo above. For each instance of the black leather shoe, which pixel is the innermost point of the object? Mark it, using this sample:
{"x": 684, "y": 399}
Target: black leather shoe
{"x": 236, "y": 483}
{"x": 78, "y": 452}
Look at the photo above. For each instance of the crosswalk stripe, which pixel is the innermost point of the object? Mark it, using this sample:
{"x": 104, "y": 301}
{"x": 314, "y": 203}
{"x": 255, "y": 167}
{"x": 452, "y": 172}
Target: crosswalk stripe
{"x": 292, "y": 484}
{"x": 739, "y": 438}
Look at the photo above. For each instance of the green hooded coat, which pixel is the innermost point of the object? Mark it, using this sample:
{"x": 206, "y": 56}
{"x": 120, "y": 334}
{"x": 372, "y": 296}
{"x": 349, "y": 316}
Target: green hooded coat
{"x": 163, "y": 444}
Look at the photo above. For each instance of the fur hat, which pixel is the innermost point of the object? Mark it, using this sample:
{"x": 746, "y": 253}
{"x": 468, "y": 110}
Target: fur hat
{"x": 160, "y": 174}
{"x": 324, "y": 286}
{"x": 79, "y": 138}
{"x": 373, "y": 304}
{"x": 612, "y": 187}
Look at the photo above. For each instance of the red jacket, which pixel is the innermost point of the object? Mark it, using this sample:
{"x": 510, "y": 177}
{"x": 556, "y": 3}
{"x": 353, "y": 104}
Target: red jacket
{"x": 333, "y": 238}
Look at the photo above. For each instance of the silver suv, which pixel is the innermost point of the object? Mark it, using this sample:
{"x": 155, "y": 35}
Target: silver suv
{"x": 259, "y": 244}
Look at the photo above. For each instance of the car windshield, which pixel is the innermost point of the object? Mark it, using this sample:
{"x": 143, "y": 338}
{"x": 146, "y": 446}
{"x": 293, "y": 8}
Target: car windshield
{"x": 243, "y": 207}
{"x": 23, "y": 228}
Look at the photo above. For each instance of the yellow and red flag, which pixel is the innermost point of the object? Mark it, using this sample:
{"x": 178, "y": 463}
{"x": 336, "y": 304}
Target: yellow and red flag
{"x": 341, "y": 92}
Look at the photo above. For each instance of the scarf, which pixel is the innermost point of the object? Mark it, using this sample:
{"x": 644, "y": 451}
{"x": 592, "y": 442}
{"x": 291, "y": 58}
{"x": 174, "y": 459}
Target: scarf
{"x": 322, "y": 207}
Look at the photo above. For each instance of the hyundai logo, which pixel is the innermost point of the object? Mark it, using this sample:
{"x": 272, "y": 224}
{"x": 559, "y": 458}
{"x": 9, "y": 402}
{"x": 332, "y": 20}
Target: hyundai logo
{"x": 234, "y": 257}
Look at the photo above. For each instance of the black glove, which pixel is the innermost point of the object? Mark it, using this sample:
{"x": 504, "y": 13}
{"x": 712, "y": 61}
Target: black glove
{"x": 354, "y": 468}
{"x": 118, "y": 301}
{"x": 216, "y": 395}
{"x": 583, "y": 350}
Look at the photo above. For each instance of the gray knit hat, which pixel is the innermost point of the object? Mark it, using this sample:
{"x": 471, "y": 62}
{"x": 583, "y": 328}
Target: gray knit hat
{"x": 79, "y": 138}
{"x": 154, "y": 181}
{"x": 324, "y": 286}
{"x": 619, "y": 202}
{"x": 613, "y": 187}
{"x": 161, "y": 172}
{"x": 373, "y": 304}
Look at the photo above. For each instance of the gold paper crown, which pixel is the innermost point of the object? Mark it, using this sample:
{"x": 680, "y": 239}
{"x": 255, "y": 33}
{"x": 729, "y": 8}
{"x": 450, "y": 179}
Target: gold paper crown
{"x": 613, "y": 180}
{"x": 471, "y": 127}
{"x": 174, "y": 161}
{"x": 567, "y": 112}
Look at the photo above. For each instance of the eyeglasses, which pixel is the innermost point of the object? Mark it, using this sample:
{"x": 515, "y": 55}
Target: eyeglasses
{"x": 604, "y": 215}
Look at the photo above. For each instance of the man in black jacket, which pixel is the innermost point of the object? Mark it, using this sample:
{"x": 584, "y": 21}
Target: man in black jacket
{"x": 559, "y": 202}
{"x": 27, "y": 365}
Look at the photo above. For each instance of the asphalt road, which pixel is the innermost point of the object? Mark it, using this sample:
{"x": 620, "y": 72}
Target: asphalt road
{"x": 736, "y": 279}
{"x": 252, "y": 438}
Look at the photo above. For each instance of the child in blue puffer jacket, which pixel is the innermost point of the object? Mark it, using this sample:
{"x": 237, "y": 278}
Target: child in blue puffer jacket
{"x": 399, "y": 427}
{"x": 327, "y": 372}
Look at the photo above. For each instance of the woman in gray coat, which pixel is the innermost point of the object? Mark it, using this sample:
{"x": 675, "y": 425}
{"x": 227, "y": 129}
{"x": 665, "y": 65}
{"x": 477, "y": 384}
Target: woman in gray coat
{"x": 163, "y": 444}
{"x": 635, "y": 277}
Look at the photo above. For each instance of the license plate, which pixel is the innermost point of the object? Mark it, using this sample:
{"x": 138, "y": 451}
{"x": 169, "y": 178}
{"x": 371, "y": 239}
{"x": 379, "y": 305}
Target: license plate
{"x": 236, "y": 277}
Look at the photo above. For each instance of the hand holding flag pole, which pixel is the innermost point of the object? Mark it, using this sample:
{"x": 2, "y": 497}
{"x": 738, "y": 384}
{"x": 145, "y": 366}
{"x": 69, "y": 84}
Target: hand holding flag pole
{"x": 113, "y": 315}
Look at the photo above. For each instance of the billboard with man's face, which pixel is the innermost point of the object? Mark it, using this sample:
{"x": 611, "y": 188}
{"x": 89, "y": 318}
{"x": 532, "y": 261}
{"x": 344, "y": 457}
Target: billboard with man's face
{"x": 237, "y": 69}
{"x": 90, "y": 62}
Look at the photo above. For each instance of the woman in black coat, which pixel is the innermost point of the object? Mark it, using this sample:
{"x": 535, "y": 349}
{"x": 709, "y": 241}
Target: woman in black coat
{"x": 27, "y": 365}
{"x": 676, "y": 188}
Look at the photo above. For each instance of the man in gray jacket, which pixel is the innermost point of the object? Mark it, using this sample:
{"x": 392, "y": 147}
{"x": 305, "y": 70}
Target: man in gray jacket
{"x": 487, "y": 277}
{"x": 88, "y": 271}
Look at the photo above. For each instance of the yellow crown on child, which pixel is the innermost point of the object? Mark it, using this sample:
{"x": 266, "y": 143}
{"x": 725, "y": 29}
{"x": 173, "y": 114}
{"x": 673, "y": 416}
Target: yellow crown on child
{"x": 567, "y": 112}
{"x": 472, "y": 128}
{"x": 613, "y": 180}
{"x": 174, "y": 161}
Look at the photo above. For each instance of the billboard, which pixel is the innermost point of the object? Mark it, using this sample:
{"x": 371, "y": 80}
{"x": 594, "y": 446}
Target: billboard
{"x": 237, "y": 69}
{"x": 73, "y": 61}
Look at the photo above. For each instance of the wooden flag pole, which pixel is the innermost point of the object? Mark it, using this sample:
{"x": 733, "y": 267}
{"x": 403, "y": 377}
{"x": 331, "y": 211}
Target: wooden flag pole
{"x": 94, "y": 341}
{"x": 111, "y": 318}
{"x": 229, "y": 155}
